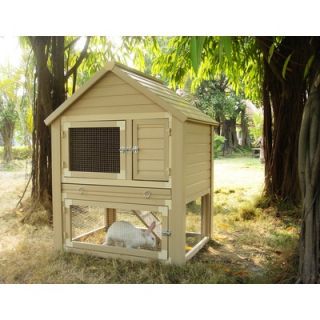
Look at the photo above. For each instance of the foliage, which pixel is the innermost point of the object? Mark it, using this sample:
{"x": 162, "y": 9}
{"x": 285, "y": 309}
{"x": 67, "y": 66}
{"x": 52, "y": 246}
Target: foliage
{"x": 234, "y": 57}
{"x": 216, "y": 99}
{"x": 218, "y": 145}
{"x": 19, "y": 153}
{"x": 256, "y": 129}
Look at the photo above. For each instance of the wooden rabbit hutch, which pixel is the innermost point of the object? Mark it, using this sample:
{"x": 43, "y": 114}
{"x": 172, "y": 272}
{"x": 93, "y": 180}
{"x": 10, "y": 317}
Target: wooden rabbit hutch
{"x": 127, "y": 148}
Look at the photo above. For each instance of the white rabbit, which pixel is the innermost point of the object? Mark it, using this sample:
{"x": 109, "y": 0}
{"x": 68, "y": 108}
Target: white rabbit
{"x": 129, "y": 236}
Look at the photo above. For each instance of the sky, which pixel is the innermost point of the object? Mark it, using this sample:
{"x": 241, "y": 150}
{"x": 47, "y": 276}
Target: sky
{"x": 10, "y": 51}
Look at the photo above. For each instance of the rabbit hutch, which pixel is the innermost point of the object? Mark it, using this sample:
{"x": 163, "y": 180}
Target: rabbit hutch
{"x": 130, "y": 160}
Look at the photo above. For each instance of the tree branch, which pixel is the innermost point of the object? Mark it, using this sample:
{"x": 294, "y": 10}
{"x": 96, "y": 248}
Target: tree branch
{"x": 265, "y": 50}
{"x": 71, "y": 43}
{"x": 79, "y": 60}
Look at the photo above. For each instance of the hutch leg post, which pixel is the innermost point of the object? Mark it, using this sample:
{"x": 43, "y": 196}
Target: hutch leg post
{"x": 110, "y": 217}
{"x": 177, "y": 214}
{"x": 56, "y": 186}
{"x": 206, "y": 215}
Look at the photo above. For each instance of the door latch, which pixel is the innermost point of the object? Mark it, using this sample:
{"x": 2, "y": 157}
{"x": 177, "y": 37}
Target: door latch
{"x": 166, "y": 233}
{"x": 135, "y": 149}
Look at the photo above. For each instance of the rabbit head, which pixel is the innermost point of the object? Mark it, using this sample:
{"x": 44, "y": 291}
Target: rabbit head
{"x": 149, "y": 236}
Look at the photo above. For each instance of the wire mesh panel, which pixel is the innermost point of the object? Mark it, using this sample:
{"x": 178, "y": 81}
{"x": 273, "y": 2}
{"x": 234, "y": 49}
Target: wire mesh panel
{"x": 193, "y": 223}
{"x": 85, "y": 220}
{"x": 94, "y": 149}
{"x": 116, "y": 227}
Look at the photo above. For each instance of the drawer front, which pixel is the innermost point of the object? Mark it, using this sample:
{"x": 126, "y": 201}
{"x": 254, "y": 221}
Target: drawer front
{"x": 117, "y": 194}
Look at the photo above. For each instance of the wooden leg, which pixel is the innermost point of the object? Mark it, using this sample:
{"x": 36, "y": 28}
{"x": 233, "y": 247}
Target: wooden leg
{"x": 110, "y": 217}
{"x": 206, "y": 215}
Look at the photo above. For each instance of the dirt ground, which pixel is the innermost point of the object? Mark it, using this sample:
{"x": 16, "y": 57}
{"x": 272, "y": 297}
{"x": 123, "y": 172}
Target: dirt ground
{"x": 243, "y": 250}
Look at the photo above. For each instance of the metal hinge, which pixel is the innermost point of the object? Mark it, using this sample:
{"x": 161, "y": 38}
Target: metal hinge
{"x": 64, "y": 134}
{"x": 169, "y": 171}
{"x": 166, "y": 233}
{"x": 169, "y": 131}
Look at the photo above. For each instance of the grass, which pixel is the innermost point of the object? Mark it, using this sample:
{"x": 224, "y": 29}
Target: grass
{"x": 252, "y": 242}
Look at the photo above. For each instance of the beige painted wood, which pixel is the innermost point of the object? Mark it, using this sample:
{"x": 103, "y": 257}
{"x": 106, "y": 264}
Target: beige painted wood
{"x": 148, "y": 93}
{"x": 197, "y": 160}
{"x": 116, "y": 116}
{"x": 101, "y": 254}
{"x": 212, "y": 184}
{"x": 108, "y": 79}
{"x": 197, "y": 195}
{"x": 206, "y": 215}
{"x": 197, "y": 248}
{"x": 132, "y": 195}
{"x": 159, "y": 93}
{"x": 132, "y": 110}
{"x": 56, "y": 185}
{"x": 110, "y": 182}
{"x": 116, "y": 250}
{"x": 125, "y": 163}
{"x": 117, "y": 74}
{"x": 111, "y": 90}
{"x": 151, "y": 162}
{"x": 177, "y": 215}
{"x": 113, "y": 101}
{"x": 68, "y": 227}
{"x": 197, "y": 187}
{"x": 78, "y": 94}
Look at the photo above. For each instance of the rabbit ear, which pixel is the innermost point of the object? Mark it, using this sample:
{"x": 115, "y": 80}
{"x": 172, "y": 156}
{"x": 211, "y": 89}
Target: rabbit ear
{"x": 151, "y": 227}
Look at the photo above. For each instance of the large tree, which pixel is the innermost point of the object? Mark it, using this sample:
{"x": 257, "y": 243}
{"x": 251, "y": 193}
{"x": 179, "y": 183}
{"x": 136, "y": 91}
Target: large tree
{"x": 217, "y": 99}
{"x": 59, "y": 67}
{"x": 309, "y": 174}
{"x": 9, "y": 101}
{"x": 274, "y": 71}
{"x": 50, "y": 93}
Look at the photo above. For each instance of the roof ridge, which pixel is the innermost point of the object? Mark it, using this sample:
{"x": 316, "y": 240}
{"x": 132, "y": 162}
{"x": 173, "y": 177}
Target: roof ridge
{"x": 137, "y": 72}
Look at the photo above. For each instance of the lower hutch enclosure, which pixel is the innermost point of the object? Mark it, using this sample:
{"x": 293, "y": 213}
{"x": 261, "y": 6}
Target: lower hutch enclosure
{"x": 129, "y": 158}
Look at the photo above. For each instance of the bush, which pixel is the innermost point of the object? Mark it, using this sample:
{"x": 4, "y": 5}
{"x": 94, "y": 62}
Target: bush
{"x": 19, "y": 153}
{"x": 247, "y": 212}
{"x": 218, "y": 144}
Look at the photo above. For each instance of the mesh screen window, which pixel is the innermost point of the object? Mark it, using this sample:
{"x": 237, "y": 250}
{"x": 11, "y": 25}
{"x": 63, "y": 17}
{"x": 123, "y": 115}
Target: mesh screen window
{"x": 95, "y": 149}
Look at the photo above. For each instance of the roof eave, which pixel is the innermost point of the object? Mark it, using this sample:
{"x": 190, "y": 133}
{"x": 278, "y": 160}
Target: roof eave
{"x": 55, "y": 114}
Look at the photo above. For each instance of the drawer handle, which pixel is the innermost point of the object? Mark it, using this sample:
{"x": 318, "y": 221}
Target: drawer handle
{"x": 147, "y": 194}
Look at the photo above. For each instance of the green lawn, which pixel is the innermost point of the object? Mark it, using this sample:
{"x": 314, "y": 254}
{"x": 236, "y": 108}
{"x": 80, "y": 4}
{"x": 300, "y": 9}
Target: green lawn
{"x": 250, "y": 244}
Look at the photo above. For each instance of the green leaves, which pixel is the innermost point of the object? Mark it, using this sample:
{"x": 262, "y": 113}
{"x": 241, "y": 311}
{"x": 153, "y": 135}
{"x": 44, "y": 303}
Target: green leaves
{"x": 225, "y": 46}
{"x": 308, "y": 65}
{"x": 196, "y": 46}
{"x": 271, "y": 50}
{"x": 285, "y": 65}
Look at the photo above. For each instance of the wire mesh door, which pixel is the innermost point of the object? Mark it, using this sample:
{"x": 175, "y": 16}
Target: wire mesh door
{"x": 123, "y": 228}
{"x": 93, "y": 149}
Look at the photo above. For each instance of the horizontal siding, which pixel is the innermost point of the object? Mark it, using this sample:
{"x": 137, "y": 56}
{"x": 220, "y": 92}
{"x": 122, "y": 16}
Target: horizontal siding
{"x": 170, "y": 97}
{"x": 197, "y": 155}
{"x": 111, "y": 95}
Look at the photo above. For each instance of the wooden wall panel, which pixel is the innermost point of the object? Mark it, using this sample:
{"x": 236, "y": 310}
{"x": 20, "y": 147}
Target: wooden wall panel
{"x": 111, "y": 95}
{"x": 197, "y": 157}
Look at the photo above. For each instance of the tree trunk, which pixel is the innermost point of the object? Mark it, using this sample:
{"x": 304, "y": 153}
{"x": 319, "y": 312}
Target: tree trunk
{"x": 41, "y": 156}
{"x": 229, "y": 132}
{"x": 50, "y": 93}
{"x": 7, "y": 131}
{"x": 284, "y": 100}
{"x": 309, "y": 174}
{"x": 245, "y": 138}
